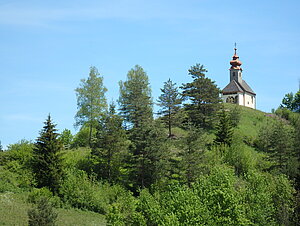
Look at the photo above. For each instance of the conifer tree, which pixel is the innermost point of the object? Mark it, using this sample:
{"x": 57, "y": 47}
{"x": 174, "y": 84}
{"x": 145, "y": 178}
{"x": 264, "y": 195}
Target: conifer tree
{"x": 135, "y": 98}
{"x": 150, "y": 155}
{"x": 110, "y": 150}
{"x": 170, "y": 101}
{"x": 192, "y": 150}
{"x": 91, "y": 101}
{"x": 203, "y": 96}
{"x": 224, "y": 129}
{"x": 47, "y": 162}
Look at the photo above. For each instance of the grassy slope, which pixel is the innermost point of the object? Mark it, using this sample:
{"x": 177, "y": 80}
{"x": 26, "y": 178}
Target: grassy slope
{"x": 13, "y": 207}
{"x": 13, "y": 211}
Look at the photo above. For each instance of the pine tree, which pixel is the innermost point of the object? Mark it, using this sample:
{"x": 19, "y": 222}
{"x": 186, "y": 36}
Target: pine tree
{"x": 42, "y": 215}
{"x": 170, "y": 101}
{"x": 110, "y": 150}
{"x": 47, "y": 162}
{"x": 203, "y": 97}
{"x": 192, "y": 150}
{"x": 150, "y": 155}
{"x": 91, "y": 101}
{"x": 224, "y": 129}
{"x": 135, "y": 98}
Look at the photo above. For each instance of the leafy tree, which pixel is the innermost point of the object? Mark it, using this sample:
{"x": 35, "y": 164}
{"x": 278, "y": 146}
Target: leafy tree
{"x": 224, "y": 130}
{"x": 135, "y": 98}
{"x": 277, "y": 139}
{"x": 47, "y": 162}
{"x": 42, "y": 215}
{"x": 66, "y": 138}
{"x": 110, "y": 150}
{"x": 291, "y": 102}
{"x": 170, "y": 101}
{"x": 203, "y": 97}
{"x": 91, "y": 101}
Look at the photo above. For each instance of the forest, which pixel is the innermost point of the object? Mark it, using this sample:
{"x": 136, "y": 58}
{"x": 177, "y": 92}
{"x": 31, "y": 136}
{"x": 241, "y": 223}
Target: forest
{"x": 196, "y": 161}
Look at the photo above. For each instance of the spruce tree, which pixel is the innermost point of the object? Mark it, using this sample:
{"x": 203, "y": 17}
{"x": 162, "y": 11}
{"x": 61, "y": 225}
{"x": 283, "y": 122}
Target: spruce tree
{"x": 47, "y": 161}
{"x": 91, "y": 101}
{"x": 224, "y": 129}
{"x": 110, "y": 150}
{"x": 170, "y": 101}
{"x": 135, "y": 98}
{"x": 203, "y": 96}
{"x": 192, "y": 152}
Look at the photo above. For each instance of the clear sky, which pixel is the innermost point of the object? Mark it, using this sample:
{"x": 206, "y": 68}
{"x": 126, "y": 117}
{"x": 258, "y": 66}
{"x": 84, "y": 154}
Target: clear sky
{"x": 48, "y": 46}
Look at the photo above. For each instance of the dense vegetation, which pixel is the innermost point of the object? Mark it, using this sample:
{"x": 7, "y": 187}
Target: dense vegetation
{"x": 199, "y": 162}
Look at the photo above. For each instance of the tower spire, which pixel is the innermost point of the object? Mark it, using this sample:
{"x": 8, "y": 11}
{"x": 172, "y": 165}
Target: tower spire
{"x": 235, "y": 62}
{"x": 235, "y": 48}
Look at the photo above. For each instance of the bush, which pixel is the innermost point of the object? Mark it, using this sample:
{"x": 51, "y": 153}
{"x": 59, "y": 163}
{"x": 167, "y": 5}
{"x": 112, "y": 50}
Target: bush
{"x": 80, "y": 191}
{"x": 38, "y": 194}
{"x": 42, "y": 215}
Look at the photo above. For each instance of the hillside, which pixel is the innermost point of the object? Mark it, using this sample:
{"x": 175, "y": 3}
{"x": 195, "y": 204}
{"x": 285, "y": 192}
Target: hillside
{"x": 239, "y": 175}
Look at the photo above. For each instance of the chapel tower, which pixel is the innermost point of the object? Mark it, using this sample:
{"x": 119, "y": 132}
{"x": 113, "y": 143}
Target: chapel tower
{"x": 238, "y": 91}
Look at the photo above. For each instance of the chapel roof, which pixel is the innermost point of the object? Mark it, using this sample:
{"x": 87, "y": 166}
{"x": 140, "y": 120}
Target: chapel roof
{"x": 236, "y": 87}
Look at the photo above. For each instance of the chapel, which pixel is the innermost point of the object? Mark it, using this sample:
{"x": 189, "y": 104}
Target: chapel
{"x": 238, "y": 91}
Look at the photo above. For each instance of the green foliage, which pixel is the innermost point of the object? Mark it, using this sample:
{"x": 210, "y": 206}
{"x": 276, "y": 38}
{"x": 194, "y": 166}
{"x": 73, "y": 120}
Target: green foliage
{"x": 291, "y": 102}
{"x": 110, "y": 149}
{"x": 81, "y": 139}
{"x": 192, "y": 150}
{"x": 15, "y": 171}
{"x": 203, "y": 97}
{"x": 170, "y": 101}
{"x": 38, "y": 194}
{"x": 1, "y": 147}
{"x": 43, "y": 214}
{"x": 235, "y": 115}
{"x": 277, "y": 140}
{"x": 135, "y": 98}
{"x": 80, "y": 191}
{"x": 150, "y": 155}
{"x": 66, "y": 138}
{"x": 47, "y": 161}
{"x": 224, "y": 129}
{"x": 91, "y": 101}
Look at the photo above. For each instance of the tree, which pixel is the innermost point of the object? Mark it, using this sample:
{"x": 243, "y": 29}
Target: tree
{"x": 42, "y": 215}
{"x": 278, "y": 141}
{"x": 66, "y": 138}
{"x": 1, "y": 148}
{"x": 224, "y": 129}
{"x": 110, "y": 150}
{"x": 192, "y": 150}
{"x": 91, "y": 101}
{"x": 135, "y": 98}
{"x": 203, "y": 97}
{"x": 291, "y": 102}
{"x": 150, "y": 155}
{"x": 47, "y": 162}
{"x": 170, "y": 101}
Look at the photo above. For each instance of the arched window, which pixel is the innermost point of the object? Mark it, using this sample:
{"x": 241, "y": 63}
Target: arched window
{"x": 230, "y": 100}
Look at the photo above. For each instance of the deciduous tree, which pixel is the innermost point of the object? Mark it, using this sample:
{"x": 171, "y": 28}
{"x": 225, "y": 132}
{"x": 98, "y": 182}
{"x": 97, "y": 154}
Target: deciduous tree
{"x": 91, "y": 101}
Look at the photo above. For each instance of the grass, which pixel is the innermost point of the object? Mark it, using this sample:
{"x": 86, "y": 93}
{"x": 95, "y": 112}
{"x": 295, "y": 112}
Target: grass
{"x": 13, "y": 211}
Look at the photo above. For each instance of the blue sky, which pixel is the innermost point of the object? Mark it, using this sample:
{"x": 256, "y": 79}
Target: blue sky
{"x": 48, "y": 46}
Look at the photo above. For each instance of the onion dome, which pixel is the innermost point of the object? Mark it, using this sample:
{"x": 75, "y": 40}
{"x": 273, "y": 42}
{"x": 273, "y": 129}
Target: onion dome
{"x": 235, "y": 62}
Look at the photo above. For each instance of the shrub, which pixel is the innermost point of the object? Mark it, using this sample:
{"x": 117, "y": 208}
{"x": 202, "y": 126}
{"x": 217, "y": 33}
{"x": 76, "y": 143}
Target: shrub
{"x": 42, "y": 215}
